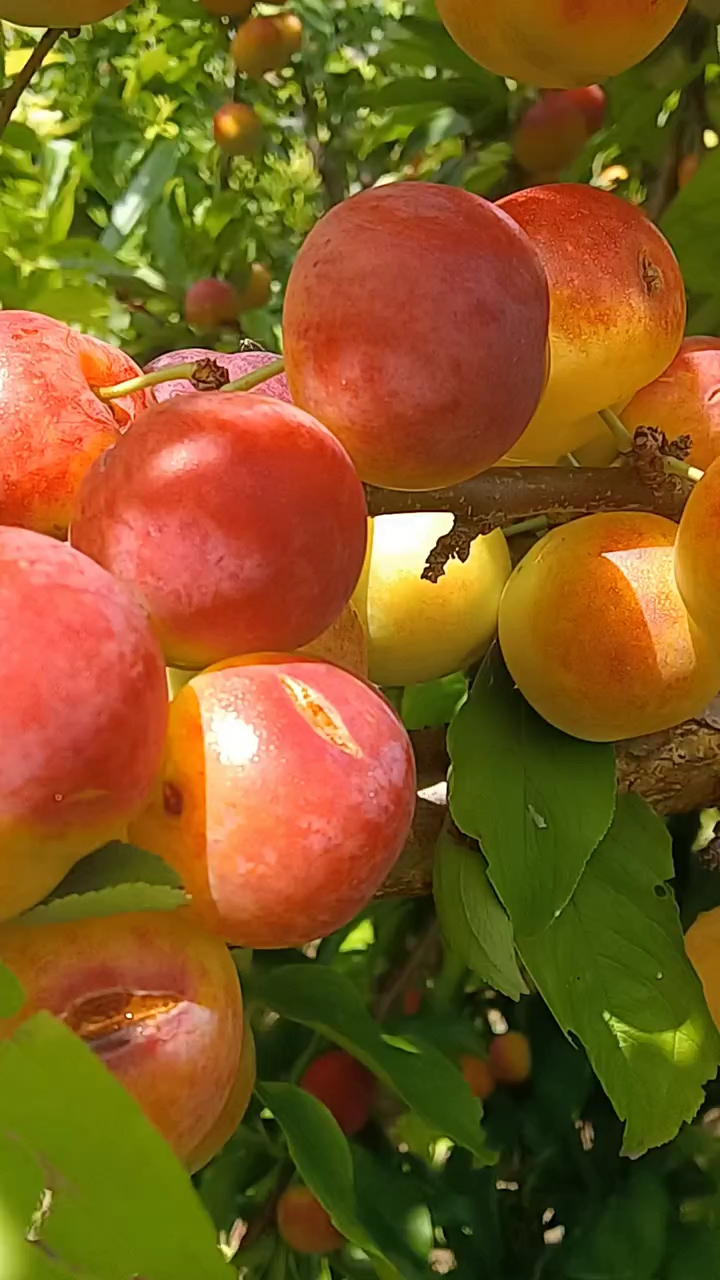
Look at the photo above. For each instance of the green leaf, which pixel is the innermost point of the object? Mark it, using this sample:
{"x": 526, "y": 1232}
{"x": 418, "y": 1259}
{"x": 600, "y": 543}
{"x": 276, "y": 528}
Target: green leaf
{"x": 116, "y": 900}
{"x": 12, "y": 996}
{"x": 144, "y": 190}
{"x": 320, "y": 1153}
{"x": 472, "y": 918}
{"x": 613, "y": 969}
{"x": 428, "y": 1082}
{"x": 433, "y": 704}
{"x": 114, "y": 864}
{"x": 113, "y": 1201}
{"x": 538, "y": 801}
{"x": 628, "y": 1236}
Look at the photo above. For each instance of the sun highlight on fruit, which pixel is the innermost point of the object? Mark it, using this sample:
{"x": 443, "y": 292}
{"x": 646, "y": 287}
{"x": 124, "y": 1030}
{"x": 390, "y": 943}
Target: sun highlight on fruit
{"x": 237, "y": 129}
{"x": 433, "y": 394}
{"x": 238, "y": 520}
{"x": 156, "y": 998}
{"x": 702, "y": 944}
{"x": 558, "y": 44}
{"x": 286, "y": 795}
{"x": 84, "y": 713}
{"x": 596, "y": 636}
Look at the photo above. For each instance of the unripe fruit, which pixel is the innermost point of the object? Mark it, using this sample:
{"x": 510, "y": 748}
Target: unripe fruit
{"x": 344, "y": 1085}
{"x": 555, "y": 44}
{"x": 697, "y": 564}
{"x": 286, "y": 796}
{"x": 154, "y": 996}
{"x": 615, "y": 287}
{"x": 509, "y": 1058}
{"x": 445, "y": 394}
{"x": 228, "y": 8}
{"x": 550, "y": 135}
{"x": 419, "y": 630}
{"x": 84, "y": 713}
{"x": 303, "y": 1223}
{"x": 52, "y": 425}
{"x": 596, "y": 636}
{"x": 237, "y": 364}
{"x": 684, "y": 400}
{"x": 702, "y": 944}
{"x": 477, "y": 1075}
{"x": 237, "y": 129}
{"x": 257, "y": 288}
{"x": 209, "y": 304}
{"x": 264, "y": 44}
{"x": 238, "y": 519}
{"x": 58, "y": 13}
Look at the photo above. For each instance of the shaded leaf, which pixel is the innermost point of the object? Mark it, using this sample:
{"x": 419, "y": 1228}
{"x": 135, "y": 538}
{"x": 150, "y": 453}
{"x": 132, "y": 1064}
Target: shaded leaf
{"x": 538, "y": 801}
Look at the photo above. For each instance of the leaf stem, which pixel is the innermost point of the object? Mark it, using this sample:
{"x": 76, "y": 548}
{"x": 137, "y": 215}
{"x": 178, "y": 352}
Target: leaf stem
{"x": 257, "y": 377}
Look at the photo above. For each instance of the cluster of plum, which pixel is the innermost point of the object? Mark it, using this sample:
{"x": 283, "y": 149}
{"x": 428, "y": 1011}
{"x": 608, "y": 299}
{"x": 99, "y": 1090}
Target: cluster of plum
{"x": 217, "y": 541}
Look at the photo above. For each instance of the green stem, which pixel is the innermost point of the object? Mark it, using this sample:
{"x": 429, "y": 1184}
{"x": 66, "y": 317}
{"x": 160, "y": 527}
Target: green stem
{"x": 535, "y": 524}
{"x": 620, "y": 433}
{"x": 146, "y": 380}
{"x": 257, "y": 376}
{"x": 676, "y": 467}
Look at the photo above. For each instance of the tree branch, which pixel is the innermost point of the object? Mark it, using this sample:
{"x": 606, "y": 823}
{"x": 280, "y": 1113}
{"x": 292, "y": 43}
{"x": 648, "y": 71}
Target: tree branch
{"x": 13, "y": 93}
{"x": 676, "y": 771}
{"x": 504, "y": 494}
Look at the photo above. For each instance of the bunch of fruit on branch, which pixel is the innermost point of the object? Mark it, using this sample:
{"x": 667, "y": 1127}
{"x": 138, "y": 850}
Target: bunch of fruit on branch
{"x": 215, "y": 542}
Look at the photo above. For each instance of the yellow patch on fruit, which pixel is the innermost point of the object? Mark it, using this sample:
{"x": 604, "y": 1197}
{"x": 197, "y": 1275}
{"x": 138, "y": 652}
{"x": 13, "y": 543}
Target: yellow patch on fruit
{"x": 419, "y": 630}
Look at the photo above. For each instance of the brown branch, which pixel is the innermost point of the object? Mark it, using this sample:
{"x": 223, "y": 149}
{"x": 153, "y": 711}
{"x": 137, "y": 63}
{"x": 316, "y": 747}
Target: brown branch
{"x": 676, "y": 771}
{"x": 504, "y": 494}
{"x": 13, "y": 93}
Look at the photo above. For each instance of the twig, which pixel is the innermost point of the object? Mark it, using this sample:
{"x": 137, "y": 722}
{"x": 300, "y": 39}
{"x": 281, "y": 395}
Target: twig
{"x": 504, "y": 494}
{"x": 13, "y": 93}
{"x": 404, "y": 976}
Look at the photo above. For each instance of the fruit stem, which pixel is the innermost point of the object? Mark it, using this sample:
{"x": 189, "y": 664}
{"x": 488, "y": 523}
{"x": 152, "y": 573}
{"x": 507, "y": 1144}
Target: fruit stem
{"x": 145, "y": 380}
{"x": 535, "y": 524}
{"x": 257, "y": 376}
{"x": 620, "y": 433}
{"x": 676, "y": 467}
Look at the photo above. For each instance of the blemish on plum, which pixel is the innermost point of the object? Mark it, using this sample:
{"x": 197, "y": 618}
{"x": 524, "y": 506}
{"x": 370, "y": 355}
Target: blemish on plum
{"x": 650, "y": 275}
{"x": 110, "y": 1020}
{"x": 320, "y": 715}
{"x": 173, "y": 802}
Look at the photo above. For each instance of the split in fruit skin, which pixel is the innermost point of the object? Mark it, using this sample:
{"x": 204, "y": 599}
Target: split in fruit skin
{"x": 254, "y": 750}
{"x": 157, "y": 998}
